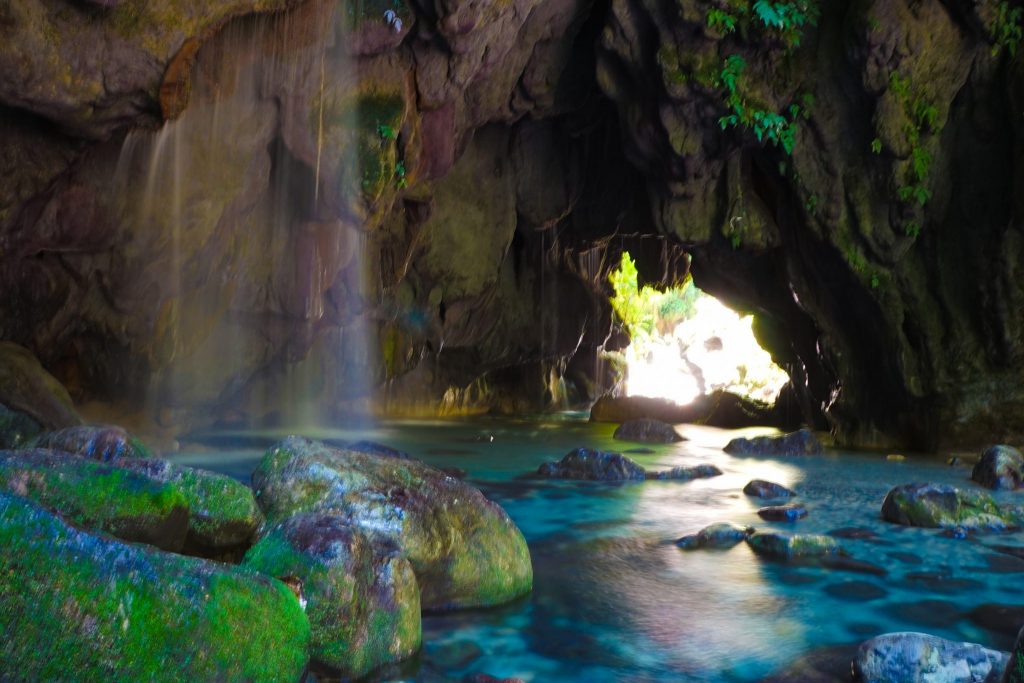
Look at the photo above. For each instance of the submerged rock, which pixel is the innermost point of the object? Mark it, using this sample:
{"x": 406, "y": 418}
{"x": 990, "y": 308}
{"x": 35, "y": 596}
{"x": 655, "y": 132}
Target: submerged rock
{"x": 802, "y": 442}
{"x": 96, "y": 609}
{"x": 1000, "y": 467}
{"x": 943, "y": 506}
{"x": 921, "y": 657}
{"x": 686, "y": 473}
{"x": 782, "y": 513}
{"x": 647, "y": 431}
{"x": 784, "y": 546}
{"x": 98, "y": 496}
{"x": 759, "y": 488}
{"x": 465, "y": 550}
{"x": 98, "y": 442}
{"x": 363, "y": 605}
{"x": 587, "y": 463}
{"x": 721, "y": 535}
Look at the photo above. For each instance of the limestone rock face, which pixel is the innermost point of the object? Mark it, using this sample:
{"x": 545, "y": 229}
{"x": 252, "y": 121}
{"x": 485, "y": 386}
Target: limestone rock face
{"x": 363, "y": 604}
{"x": 465, "y": 550}
{"x": 921, "y": 657}
{"x": 98, "y": 609}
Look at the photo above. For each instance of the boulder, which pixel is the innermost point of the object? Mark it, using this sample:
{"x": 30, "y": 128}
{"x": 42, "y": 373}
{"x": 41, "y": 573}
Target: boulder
{"x": 223, "y": 516}
{"x": 587, "y": 463}
{"x": 759, "y": 488}
{"x": 27, "y": 388}
{"x": 1000, "y": 467}
{"x": 801, "y": 442}
{"x": 722, "y": 535}
{"x": 91, "y": 607}
{"x": 921, "y": 657}
{"x": 782, "y": 513}
{"x": 98, "y": 496}
{"x": 17, "y": 430}
{"x": 944, "y": 506}
{"x": 647, "y": 431}
{"x": 785, "y": 546}
{"x": 686, "y": 473}
{"x": 98, "y": 442}
{"x": 465, "y": 550}
{"x": 363, "y": 604}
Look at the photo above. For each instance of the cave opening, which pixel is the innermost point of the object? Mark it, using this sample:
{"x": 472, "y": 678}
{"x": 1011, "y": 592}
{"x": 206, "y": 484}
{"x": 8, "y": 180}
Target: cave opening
{"x": 685, "y": 343}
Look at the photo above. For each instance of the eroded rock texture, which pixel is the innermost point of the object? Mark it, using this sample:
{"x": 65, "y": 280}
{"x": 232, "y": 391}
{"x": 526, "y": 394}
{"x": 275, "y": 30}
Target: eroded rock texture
{"x": 212, "y": 210}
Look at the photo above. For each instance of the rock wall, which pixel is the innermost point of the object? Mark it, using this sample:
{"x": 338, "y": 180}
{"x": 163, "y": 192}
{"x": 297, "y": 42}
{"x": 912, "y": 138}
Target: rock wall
{"x": 229, "y": 211}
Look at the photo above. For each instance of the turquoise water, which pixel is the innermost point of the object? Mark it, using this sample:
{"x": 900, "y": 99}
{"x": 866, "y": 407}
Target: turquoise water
{"x": 614, "y": 600}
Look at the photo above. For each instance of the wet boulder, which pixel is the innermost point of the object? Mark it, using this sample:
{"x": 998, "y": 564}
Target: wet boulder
{"x": 943, "y": 506}
{"x": 647, "y": 431}
{"x": 802, "y": 442}
{"x": 223, "y": 516}
{"x": 587, "y": 463}
{"x": 464, "y": 549}
{"x": 759, "y": 488}
{"x": 98, "y": 442}
{"x": 363, "y": 604}
{"x": 98, "y": 496}
{"x": 686, "y": 473}
{"x": 87, "y": 606}
{"x": 921, "y": 657}
{"x": 1000, "y": 467}
{"x": 786, "y": 546}
{"x": 721, "y": 535}
{"x": 31, "y": 399}
{"x": 782, "y": 513}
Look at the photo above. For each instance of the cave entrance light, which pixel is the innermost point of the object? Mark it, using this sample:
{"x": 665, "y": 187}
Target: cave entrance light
{"x": 684, "y": 343}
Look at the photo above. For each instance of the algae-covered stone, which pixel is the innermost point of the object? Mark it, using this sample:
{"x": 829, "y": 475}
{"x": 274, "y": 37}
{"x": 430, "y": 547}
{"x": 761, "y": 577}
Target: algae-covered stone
{"x": 1000, "y": 467}
{"x": 98, "y": 496}
{"x": 98, "y": 442}
{"x": 223, "y": 514}
{"x": 722, "y": 535}
{"x": 921, "y": 657}
{"x": 647, "y": 431}
{"x": 464, "y": 549}
{"x": 587, "y": 463}
{"x": 802, "y": 442}
{"x": 90, "y": 608}
{"x": 363, "y": 604}
{"x": 785, "y": 546}
{"x": 943, "y": 506}
{"x": 686, "y": 473}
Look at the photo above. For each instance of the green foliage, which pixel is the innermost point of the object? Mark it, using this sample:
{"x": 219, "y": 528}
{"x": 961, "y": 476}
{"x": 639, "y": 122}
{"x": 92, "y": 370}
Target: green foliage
{"x": 876, "y": 146}
{"x": 1006, "y": 29}
{"x": 912, "y": 229}
{"x": 644, "y": 310}
{"x": 721, "y": 21}
{"x": 386, "y": 132}
{"x": 812, "y": 204}
{"x": 924, "y": 119}
{"x": 400, "y": 179}
{"x": 788, "y": 18}
{"x": 766, "y": 124}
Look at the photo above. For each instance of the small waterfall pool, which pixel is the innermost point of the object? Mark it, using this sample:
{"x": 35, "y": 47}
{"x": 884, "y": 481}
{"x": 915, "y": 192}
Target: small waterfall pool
{"x": 615, "y": 600}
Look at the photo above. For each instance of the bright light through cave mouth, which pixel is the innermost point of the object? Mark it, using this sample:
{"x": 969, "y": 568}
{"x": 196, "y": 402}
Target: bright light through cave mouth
{"x": 685, "y": 343}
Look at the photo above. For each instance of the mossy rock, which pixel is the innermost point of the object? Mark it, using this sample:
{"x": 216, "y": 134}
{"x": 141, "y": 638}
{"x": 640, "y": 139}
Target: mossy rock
{"x": 922, "y": 657}
{"x": 1000, "y": 467}
{"x": 92, "y": 608}
{"x": 223, "y": 515}
{"x": 944, "y": 506}
{"x": 587, "y": 463}
{"x": 801, "y": 442}
{"x": 465, "y": 550}
{"x": 99, "y": 497}
{"x": 795, "y": 546}
{"x": 17, "y": 429}
{"x": 98, "y": 442}
{"x": 363, "y": 604}
{"x": 26, "y": 387}
{"x": 647, "y": 431}
{"x": 721, "y": 535}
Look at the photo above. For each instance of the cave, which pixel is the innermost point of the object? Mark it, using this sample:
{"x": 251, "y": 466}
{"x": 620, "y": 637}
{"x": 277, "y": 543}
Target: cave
{"x": 307, "y": 298}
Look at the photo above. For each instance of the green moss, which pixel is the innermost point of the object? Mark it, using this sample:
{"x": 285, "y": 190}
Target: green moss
{"x": 219, "y": 506}
{"x": 109, "y": 611}
{"x": 94, "y": 496}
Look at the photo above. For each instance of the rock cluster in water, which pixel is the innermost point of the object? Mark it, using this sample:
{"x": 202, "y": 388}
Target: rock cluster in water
{"x": 355, "y": 544}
